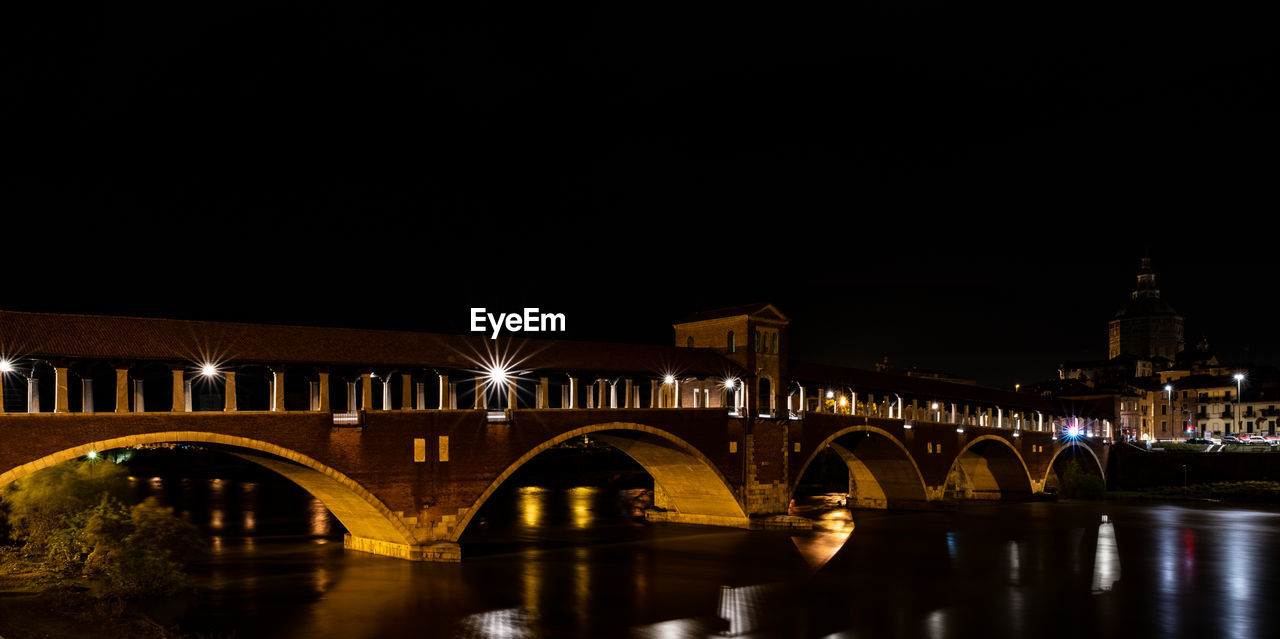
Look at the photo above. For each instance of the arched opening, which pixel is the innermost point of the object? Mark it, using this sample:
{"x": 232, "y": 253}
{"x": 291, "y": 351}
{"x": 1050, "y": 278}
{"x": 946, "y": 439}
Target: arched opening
{"x": 880, "y": 472}
{"x": 764, "y": 396}
{"x": 687, "y": 486}
{"x": 988, "y": 468}
{"x": 366, "y": 518}
{"x": 1074, "y": 471}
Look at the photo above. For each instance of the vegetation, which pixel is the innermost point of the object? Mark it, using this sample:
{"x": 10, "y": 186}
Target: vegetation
{"x": 78, "y": 519}
{"x": 1260, "y": 492}
{"x": 1076, "y": 483}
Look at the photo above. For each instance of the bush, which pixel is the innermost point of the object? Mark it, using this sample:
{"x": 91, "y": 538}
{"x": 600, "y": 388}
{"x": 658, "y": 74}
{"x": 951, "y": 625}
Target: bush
{"x": 1078, "y": 484}
{"x": 74, "y": 517}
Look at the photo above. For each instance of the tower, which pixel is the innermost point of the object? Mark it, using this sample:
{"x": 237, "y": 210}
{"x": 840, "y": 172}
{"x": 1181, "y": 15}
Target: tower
{"x": 1146, "y": 327}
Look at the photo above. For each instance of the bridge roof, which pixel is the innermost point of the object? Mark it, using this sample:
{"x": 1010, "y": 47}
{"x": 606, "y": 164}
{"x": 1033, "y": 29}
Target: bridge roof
{"x": 71, "y": 337}
{"x": 934, "y": 388}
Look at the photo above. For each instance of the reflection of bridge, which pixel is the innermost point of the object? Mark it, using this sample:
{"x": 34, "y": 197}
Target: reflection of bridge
{"x": 405, "y": 468}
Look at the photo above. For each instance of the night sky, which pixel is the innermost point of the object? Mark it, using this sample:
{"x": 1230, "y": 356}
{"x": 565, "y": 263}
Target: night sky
{"x": 955, "y": 187}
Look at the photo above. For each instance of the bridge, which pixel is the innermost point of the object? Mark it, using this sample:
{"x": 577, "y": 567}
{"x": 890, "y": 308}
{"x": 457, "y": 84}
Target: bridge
{"x": 404, "y": 436}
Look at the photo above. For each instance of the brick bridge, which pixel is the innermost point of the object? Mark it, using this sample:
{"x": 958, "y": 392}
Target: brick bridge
{"x": 421, "y": 429}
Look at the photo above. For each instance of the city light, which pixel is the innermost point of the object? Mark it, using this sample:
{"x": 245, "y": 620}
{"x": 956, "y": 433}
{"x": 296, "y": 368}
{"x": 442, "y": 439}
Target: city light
{"x": 6, "y": 366}
{"x": 497, "y": 375}
{"x": 730, "y": 383}
{"x": 1073, "y": 432}
{"x": 93, "y": 454}
{"x": 208, "y": 370}
{"x": 669, "y": 379}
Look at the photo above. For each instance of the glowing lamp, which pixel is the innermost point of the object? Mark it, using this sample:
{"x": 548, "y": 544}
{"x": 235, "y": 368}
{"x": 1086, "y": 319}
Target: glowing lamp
{"x": 208, "y": 370}
{"x": 6, "y": 366}
{"x": 93, "y": 454}
{"x": 497, "y": 375}
{"x": 730, "y": 383}
{"x": 669, "y": 379}
{"x": 1073, "y": 431}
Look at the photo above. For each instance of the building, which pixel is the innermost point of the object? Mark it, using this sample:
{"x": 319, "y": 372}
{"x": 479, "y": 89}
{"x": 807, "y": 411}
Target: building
{"x": 1146, "y": 327}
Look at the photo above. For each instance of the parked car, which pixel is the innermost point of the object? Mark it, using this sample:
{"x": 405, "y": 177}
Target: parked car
{"x": 1199, "y": 440}
{"x": 1231, "y": 439}
{"x": 1257, "y": 440}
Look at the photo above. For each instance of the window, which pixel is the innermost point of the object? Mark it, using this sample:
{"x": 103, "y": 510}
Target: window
{"x": 690, "y": 342}
{"x": 756, "y": 345}
{"x": 774, "y": 350}
{"x": 733, "y": 347}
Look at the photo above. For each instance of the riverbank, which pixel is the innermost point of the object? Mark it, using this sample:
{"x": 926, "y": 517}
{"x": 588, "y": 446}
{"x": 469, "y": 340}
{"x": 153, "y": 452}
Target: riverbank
{"x": 1231, "y": 493}
{"x": 35, "y": 604}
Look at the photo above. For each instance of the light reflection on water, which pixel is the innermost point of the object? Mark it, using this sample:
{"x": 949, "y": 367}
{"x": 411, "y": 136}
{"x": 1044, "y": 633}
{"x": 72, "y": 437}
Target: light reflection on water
{"x": 571, "y": 562}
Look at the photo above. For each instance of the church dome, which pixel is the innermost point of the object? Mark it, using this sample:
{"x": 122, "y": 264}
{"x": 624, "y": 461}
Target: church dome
{"x": 1146, "y": 300}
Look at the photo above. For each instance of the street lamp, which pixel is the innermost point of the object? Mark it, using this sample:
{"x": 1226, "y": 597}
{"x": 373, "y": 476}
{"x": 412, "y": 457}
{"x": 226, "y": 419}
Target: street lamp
{"x": 1239, "y": 381}
{"x": 1168, "y": 391}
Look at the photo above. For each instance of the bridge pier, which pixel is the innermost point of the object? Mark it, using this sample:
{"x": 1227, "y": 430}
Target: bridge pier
{"x": 436, "y": 551}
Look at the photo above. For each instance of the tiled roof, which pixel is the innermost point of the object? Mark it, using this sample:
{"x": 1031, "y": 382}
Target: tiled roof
{"x": 759, "y": 308}
{"x": 63, "y": 336}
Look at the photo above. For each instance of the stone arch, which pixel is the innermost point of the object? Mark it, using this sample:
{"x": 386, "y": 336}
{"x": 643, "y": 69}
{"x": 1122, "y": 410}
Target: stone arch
{"x": 882, "y": 472}
{"x": 685, "y": 481}
{"x": 1092, "y": 455}
{"x": 365, "y": 517}
{"x": 989, "y": 467}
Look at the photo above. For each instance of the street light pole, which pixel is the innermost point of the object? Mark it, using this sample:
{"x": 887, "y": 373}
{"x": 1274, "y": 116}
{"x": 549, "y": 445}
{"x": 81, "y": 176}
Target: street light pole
{"x": 1239, "y": 382}
{"x": 1168, "y": 393}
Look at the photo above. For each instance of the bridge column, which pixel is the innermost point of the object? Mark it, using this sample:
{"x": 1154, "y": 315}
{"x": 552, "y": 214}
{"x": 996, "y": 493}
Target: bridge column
{"x": 366, "y": 393}
{"x": 386, "y": 391}
{"x": 479, "y": 399}
{"x": 573, "y": 392}
{"x": 512, "y": 398}
{"x": 602, "y": 393}
{"x": 544, "y": 392}
{"x": 277, "y": 390}
{"x": 655, "y": 394}
{"x": 61, "y": 403}
{"x": 229, "y": 392}
{"x": 178, "y": 403}
{"x": 86, "y": 395}
{"x": 446, "y": 392}
{"x": 406, "y": 392}
{"x": 628, "y": 390}
{"x": 33, "y": 395}
{"x": 322, "y": 389}
{"x": 139, "y": 397}
{"x": 122, "y": 390}
{"x": 420, "y": 394}
{"x": 915, "y": 409}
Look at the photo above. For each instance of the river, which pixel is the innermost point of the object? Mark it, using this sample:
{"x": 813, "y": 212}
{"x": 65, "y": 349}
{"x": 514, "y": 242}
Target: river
{"x": 574, "y": 561}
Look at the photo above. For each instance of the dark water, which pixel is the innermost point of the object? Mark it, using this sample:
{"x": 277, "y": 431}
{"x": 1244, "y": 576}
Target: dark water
{"x": 573, "y": 562}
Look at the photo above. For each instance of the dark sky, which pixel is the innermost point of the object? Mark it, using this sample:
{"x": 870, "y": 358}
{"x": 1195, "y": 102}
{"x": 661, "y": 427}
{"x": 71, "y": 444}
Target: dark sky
{"x": 956, "y": 187}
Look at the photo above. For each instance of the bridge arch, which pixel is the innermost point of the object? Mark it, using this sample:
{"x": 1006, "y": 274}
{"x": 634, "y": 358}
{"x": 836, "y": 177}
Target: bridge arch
{"x": 882, "y": 472}
{"x": 364, "y": 515}
{"x": 1097, "y": 463}
{"x": 989, "y": 467}
{"x": 686, "y": 482}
